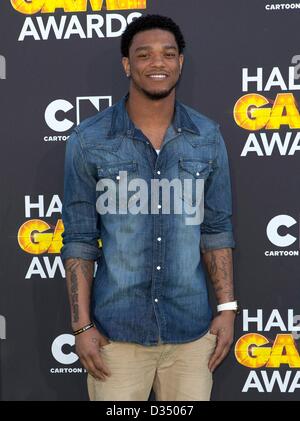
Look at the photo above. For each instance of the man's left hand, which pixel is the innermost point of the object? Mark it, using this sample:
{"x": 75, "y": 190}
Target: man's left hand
{"x": 223, "y": 327}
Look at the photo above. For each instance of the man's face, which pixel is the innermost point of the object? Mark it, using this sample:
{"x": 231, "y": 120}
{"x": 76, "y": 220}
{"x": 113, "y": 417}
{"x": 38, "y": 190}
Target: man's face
{"x": 154, "y": 63}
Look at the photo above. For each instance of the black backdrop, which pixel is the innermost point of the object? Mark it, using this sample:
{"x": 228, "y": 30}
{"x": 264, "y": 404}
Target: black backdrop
{"x": 54, "y": 81}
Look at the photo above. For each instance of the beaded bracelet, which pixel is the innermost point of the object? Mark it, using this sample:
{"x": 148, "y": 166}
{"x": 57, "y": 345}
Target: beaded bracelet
{"x": 83, "y": 329}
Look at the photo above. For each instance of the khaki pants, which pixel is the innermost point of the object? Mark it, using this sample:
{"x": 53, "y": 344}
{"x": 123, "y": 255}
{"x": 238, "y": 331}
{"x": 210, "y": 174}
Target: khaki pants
{"x": 176, "y": 372}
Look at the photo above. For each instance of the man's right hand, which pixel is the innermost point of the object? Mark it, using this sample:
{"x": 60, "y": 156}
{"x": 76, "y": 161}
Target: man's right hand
{"x": 88, "y": 346}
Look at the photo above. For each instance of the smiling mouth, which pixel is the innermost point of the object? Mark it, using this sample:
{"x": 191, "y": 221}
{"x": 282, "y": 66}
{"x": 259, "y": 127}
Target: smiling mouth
{"x": 158, "y": 76}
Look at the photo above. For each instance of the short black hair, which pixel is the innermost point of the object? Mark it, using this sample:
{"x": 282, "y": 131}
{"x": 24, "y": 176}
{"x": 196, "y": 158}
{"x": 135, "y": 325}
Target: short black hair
{"x": 147, "y": 22}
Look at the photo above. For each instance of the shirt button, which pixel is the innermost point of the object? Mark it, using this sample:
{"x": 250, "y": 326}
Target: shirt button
{"x": 158, "y": 172}
{"x": 118, "y": 177}
{"x": 156, "y": 300}
{"x": 179, "y": 130}
{"x": 158, "y": 238}
{"x": 197, "y": 173}
{"x": 158, "y": 267}
{"x": 159, "y": 206}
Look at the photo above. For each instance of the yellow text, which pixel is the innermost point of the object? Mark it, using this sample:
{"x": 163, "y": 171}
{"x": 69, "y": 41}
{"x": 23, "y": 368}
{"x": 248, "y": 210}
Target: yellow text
{"x": 251, "y": 351}
{"x": 254, "y": 112}
{"x": 50, "y": 6}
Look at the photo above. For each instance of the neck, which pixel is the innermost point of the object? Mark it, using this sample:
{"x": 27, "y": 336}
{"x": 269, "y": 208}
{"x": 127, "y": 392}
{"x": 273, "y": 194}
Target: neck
{"x": 145, "y": 112}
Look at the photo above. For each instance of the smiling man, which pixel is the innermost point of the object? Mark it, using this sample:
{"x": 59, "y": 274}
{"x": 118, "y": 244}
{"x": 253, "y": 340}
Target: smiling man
{"x": 145, "y": 320}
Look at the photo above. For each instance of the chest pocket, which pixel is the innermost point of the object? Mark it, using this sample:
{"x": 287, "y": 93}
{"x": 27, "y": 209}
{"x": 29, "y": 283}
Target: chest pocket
{"x": 192, "y": 174}
{"x": 115, "y": 178}
{"x": 104, "y": 144}
{"x": 112, "y": 170}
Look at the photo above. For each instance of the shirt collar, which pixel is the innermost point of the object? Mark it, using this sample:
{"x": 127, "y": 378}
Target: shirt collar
{"x": 122, "y": 124}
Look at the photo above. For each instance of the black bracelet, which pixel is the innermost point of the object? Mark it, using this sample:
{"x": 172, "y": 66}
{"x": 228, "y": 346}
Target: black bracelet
{"x": 83, "y": 329}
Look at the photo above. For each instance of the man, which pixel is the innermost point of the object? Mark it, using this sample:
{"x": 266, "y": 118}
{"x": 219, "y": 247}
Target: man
{"x": 145, "y": 320}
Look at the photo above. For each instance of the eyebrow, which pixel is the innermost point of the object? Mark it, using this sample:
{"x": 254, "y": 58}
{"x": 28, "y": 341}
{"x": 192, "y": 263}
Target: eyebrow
{"x": 148, "y": 47}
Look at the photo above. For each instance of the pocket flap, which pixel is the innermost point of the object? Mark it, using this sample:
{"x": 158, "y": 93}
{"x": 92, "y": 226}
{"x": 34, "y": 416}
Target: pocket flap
{"x": 197, "y": 168}
{"x": 113, "y": 169}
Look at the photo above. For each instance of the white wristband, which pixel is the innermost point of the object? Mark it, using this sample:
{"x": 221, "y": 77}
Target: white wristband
{"x": 232, "y": 305}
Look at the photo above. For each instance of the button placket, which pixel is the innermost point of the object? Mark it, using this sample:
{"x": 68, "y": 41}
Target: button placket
{"x": 158, "y": 252}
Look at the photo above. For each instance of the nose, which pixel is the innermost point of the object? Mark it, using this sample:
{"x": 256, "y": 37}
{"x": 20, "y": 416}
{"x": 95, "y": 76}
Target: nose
{"x": 157, "y": 60}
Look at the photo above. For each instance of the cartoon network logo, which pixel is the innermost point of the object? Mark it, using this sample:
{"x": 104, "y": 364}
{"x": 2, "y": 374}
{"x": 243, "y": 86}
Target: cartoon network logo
{"x": 62, "y": 350}
{"x": 282, "y": 232}
{"x": 61, "y": 115}
{"x": 67, "y": 26}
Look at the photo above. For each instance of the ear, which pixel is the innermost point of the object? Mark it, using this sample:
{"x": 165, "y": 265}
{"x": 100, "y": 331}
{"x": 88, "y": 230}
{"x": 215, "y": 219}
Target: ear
{"x": 126, "y": 65}
{"x": 181, "y": 60}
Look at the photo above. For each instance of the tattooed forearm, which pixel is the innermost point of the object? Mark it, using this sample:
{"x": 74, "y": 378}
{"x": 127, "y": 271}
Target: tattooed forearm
{"x": 85, "y": 267}
{"x": 219, "y": 267}
{"x": 74, "y": 297}
{"x": 79, "y": 274}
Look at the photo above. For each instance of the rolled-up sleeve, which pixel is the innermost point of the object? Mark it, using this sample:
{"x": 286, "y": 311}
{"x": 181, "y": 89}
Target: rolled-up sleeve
{"x": 216, "y": 229}
{"x": 80, "y": 218}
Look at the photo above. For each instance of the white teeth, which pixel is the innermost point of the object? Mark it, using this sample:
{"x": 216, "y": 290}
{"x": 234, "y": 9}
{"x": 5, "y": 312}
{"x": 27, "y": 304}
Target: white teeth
{"x": 158, "y": 76}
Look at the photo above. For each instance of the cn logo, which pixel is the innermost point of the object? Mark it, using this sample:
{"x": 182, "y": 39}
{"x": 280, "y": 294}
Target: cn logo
{"x": 277, "y": 231}
{"x": 85, "y": 106}
{"x": 61, "y": 349}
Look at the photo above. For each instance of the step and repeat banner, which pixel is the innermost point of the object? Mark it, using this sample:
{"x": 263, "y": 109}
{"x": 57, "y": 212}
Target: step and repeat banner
{"x": 60, "y": 62}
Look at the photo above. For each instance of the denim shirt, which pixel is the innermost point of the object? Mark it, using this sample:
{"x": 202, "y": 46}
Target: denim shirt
{"x": 150, "y": 285}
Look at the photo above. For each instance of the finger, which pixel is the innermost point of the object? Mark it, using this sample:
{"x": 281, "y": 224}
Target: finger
{"x": 220, "y": 358}
{"x": 92, "y": 369}
{"x": 100, "y": 365}
{"x": 218, "y": 361}
{"x": 216, "y": 354}
{"x": 97, "y": 374}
